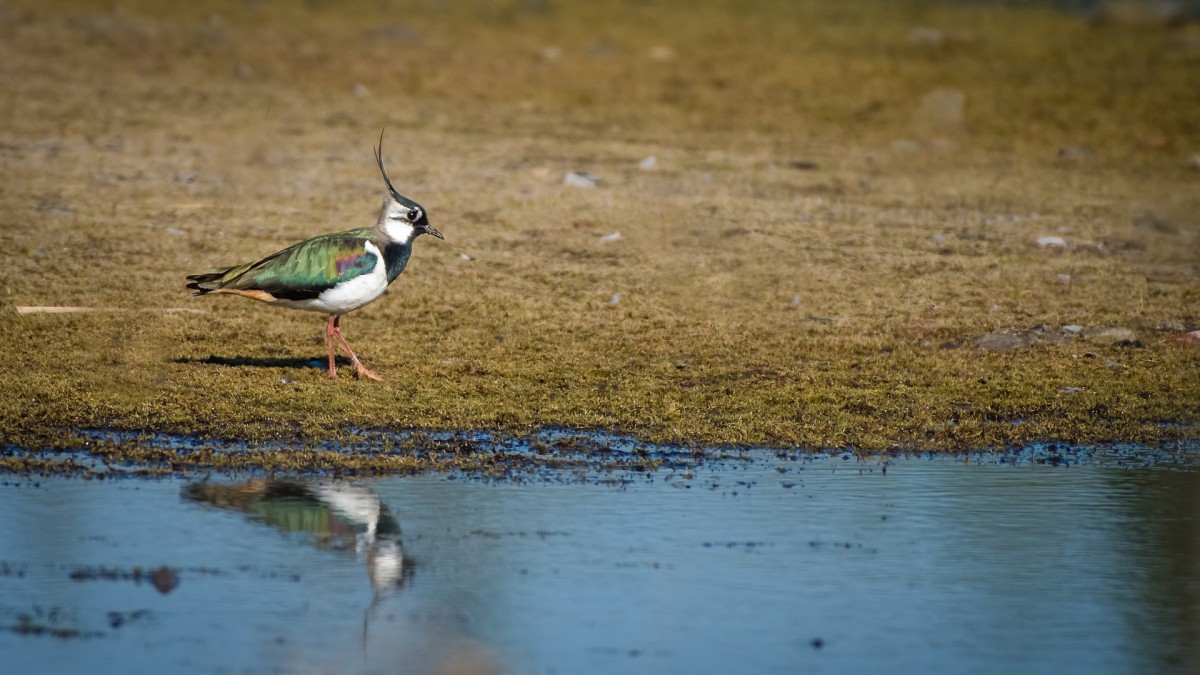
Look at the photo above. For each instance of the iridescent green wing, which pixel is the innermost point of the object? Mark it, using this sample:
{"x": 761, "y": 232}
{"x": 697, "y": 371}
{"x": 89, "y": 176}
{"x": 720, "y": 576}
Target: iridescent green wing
{"x": 306, "y": 270}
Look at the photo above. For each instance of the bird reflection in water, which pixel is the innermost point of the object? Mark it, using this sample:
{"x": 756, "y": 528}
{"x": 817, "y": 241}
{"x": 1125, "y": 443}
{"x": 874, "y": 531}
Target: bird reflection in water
{"x": 336, "y": 516}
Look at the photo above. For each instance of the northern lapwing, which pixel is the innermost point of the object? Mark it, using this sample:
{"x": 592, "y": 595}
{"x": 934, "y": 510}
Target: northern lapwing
{"x": 333, "y": 273}
{"x": 337, "y": 515}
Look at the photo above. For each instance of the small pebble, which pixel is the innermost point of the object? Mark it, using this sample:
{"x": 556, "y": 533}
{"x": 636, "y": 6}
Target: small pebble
{"x": 52, "y": 202}
{"x": 1144, "y": 13}
{"x": 395, "y": 33}
{"x": 1075, "y": 153}
{"x": 1109, "y": 334}
{"x": 905, "y": 145}
{"x": 923, "y": 36}
{"x": 1191, "y": 339}
{"x": 940, "y": 112}
{"x": 1004, "y": 341}
{"x": 662, "y": 53}
{"x": 611, "y": 237}
{"x": 580, "y": 179}
{"x": 1045, "y": 242}
{"x": 648, "y": 163}
{"x": 1153, "y": 222}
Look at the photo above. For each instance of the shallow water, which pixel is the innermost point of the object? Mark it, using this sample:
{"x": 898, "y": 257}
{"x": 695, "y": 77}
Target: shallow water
{"x": 761, "y": 564}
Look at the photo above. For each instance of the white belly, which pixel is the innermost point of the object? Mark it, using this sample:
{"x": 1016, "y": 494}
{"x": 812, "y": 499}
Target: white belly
{"x": 349, "y": 295}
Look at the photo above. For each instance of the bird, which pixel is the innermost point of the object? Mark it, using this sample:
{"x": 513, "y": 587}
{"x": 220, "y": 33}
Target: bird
{"x": 331, "y": 273}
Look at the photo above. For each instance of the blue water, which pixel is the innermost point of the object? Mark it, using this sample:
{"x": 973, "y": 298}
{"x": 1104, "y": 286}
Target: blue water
{"x": 764, "y": 565}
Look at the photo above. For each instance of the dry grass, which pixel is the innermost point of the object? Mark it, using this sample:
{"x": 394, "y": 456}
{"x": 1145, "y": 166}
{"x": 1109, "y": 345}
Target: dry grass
{"x": 758, "y": 302}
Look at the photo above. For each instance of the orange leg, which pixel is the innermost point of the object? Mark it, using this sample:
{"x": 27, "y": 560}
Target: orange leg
{"x": 359, "y": 369}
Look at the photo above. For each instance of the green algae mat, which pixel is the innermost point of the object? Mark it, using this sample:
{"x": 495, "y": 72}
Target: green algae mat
{"x": 861, "y": 225}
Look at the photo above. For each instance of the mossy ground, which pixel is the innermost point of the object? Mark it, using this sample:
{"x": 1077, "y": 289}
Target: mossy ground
{"x": 751, "y": 298}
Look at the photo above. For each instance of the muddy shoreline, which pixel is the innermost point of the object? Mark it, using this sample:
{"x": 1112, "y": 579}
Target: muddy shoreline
{"x": 498, "y": 456}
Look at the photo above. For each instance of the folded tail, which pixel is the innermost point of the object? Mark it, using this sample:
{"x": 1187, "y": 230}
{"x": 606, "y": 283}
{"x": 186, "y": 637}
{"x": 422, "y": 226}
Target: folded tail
{"x": 208, "y": 282}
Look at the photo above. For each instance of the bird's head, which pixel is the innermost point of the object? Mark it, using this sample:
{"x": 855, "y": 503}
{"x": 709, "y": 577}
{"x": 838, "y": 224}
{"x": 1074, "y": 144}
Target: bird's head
{"x": 401, "y": 219}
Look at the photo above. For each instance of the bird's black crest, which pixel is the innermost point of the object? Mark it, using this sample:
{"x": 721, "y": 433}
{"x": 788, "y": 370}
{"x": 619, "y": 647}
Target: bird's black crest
{"x": 391, "y": 188}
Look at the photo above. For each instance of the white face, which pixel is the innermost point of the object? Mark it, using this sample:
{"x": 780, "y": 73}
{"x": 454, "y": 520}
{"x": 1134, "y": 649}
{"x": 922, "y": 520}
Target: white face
{"x": 398, "y": 221}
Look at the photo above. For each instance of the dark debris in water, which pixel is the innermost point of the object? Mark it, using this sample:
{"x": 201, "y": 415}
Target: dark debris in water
{"x": 741, "y": 545}
{"x": 54, "y": 622}
{"x": 8, "y": 569}
{"x": 118, "y": 619}
{"x": 841, "y": 546}
{"x": 1065, "y": 455}
{"x": 164, "y": 579}
{"x": 540, "y": 534}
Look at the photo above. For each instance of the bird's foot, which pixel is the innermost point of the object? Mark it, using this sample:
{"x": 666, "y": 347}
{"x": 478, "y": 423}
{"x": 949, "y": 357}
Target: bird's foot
{"x": 362, "y": 372}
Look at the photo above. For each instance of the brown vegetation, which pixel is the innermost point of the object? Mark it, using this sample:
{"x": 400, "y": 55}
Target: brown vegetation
{"x": 844, "y": 196}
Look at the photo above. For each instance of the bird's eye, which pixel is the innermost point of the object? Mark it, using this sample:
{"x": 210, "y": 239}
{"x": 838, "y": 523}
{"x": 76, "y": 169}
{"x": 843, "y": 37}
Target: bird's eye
{"x": 414, "y": 214}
